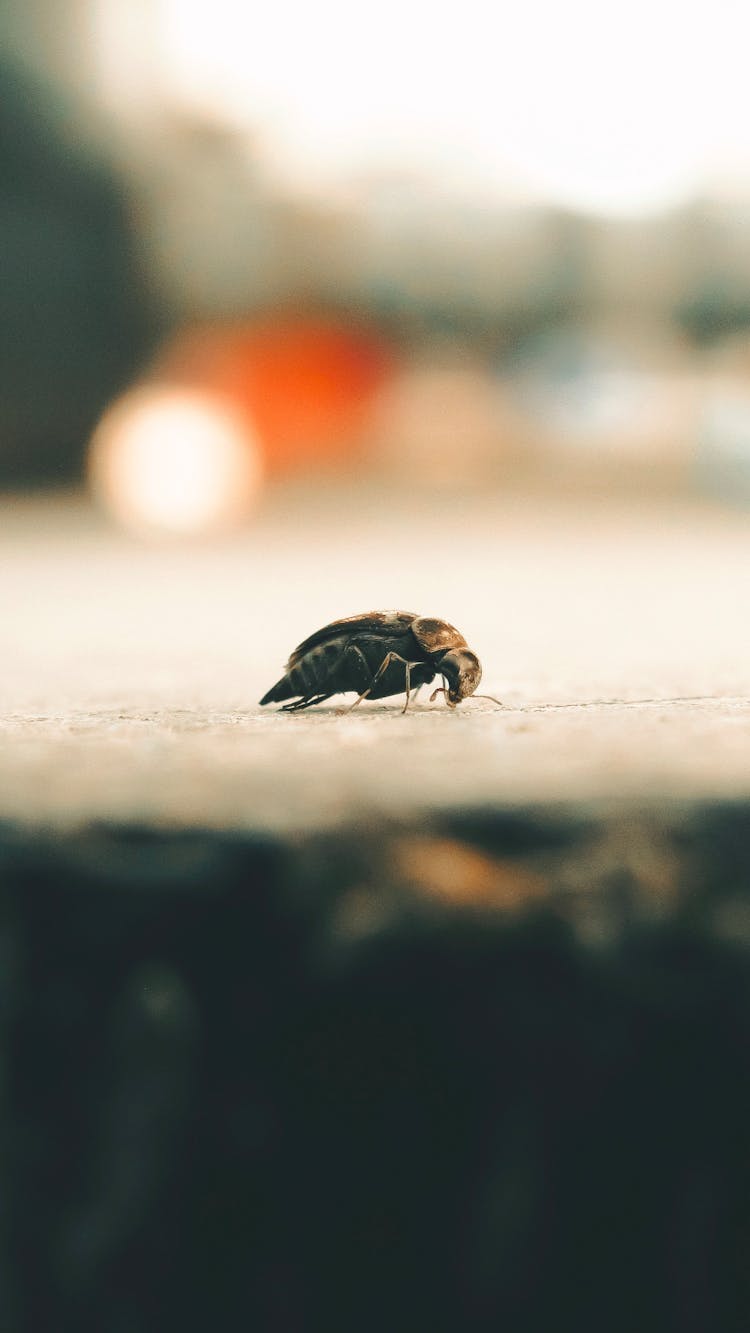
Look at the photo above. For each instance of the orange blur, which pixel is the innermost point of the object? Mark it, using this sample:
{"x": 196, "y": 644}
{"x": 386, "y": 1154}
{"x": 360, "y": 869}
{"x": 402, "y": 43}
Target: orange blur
{"x": 303, "y": 384}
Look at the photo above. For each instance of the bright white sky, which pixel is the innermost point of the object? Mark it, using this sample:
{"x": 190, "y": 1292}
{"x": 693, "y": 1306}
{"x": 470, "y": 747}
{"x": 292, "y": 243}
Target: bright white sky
{"x": 615, "y": 108}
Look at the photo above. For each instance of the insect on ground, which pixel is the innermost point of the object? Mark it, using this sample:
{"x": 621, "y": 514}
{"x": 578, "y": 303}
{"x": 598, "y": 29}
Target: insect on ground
{"x": 376, "y": 655}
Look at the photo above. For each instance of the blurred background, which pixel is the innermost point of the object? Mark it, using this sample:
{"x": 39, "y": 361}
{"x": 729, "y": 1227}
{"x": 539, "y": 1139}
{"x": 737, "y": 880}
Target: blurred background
{"x": 240, "y": 245}
{"x": 436, "y": 1021}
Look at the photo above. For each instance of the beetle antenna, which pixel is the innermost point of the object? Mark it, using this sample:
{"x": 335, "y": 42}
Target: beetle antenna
{"x": 491, "y": 697}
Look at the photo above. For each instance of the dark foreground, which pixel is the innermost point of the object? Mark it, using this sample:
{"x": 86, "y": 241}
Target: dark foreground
{"x": 495, "y": 1075}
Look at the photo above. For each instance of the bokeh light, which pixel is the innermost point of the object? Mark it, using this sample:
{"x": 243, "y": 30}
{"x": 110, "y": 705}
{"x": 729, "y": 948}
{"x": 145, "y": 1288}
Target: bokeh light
{"x": 174, "y": 461}
{"x": 302, "y": 384}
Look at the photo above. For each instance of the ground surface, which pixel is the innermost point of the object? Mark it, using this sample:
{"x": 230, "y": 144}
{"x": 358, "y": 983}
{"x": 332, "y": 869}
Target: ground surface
{"x": 376, "y": 1073}
{"x": 617, "y": 634}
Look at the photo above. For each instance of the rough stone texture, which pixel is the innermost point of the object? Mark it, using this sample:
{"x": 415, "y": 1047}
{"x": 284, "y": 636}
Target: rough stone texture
{"x": 617, "y": 636}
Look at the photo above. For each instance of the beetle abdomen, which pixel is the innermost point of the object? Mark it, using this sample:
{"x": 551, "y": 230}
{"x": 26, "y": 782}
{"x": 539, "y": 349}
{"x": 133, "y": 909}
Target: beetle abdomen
{"x": 309, "y": 674}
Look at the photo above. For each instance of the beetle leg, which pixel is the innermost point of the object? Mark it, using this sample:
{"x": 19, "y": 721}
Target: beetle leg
{"x": 386, "y": 662}
{"x": 293, "y": 706}
{"x": 408, "y": 685}
{"x": 300, "y": 704}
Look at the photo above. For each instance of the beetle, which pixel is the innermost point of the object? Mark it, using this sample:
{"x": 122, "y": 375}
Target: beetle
{"x": 377, "y": 654}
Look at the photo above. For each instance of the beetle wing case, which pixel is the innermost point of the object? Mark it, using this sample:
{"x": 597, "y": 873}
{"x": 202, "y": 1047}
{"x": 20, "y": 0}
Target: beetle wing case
{"x": 369, "y": 621}
{"x": 436, "y": 636}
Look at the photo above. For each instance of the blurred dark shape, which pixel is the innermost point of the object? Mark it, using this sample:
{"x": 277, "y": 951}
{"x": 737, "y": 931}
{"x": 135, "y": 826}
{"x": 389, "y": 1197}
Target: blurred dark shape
{"x": 324, "y": 1088}
{"x": 303, "y": 382}
{"x": 714, "y": 313}
{"x": 74, "y": 321}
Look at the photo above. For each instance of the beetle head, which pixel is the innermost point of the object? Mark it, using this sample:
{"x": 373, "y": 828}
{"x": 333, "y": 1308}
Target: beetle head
{"x": 463, "y": 673}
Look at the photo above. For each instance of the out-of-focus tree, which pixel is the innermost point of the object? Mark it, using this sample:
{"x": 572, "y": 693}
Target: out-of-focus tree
{"x": 74, "y": 319}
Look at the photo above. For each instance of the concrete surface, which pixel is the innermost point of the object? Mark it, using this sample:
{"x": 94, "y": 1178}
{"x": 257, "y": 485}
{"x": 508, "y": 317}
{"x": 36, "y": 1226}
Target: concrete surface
{"x": 617, "y": 635}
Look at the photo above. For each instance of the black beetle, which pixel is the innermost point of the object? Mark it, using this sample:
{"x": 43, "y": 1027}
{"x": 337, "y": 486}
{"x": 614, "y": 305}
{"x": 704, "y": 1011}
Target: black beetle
{"x": 366, "y": 653}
